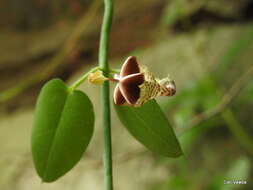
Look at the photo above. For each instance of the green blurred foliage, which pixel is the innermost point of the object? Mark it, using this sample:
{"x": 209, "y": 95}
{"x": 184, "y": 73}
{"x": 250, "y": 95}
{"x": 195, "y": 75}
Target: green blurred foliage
{"x": 202, "y": 96}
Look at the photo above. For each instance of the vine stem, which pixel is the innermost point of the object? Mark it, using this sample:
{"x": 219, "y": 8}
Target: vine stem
{"x": 103, "y": 64}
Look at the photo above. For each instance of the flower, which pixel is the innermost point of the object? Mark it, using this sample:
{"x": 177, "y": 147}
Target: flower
{"x": 137, "y": 85}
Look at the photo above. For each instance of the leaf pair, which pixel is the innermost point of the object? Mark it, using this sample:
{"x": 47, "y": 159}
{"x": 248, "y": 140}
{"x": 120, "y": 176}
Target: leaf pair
{"x": 62, "y": 130}
{"x": 64, "y": 122}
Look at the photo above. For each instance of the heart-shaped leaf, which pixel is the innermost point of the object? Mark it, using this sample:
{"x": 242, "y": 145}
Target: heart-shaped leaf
{"x": 149, "y": 126}
{"x": 63, "y": 127}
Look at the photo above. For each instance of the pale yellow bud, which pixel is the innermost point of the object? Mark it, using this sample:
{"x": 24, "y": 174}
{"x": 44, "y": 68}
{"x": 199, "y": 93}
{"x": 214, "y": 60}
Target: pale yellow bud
{"x": 97, "y": 78}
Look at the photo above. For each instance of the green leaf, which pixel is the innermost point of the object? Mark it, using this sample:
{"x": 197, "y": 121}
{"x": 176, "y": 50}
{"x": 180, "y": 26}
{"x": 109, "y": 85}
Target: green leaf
{"x": 63, "y": 127}
{"x": 149, "y": 126}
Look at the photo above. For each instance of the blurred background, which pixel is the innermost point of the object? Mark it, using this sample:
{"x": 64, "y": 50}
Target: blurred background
{"x": 205, "y": 45}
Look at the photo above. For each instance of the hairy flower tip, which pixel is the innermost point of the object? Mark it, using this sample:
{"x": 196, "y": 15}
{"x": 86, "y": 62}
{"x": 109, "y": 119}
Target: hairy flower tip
{"x": 138, "y": 85}
{"x": 97, "y": 78}
{"x": 170, "y": 86}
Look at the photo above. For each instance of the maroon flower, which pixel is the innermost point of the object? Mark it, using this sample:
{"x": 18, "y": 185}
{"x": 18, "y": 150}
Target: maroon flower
{"x": 127, "y": 90}
{"x": 137, "y": 85}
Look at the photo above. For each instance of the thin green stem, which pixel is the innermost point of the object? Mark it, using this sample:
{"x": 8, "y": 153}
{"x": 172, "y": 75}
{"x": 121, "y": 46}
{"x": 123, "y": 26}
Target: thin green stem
{"x": 116, "y": 71}
{"x": 237, "y": 129}
{"x": 111, "y": 72}
{"x": 103, "y": 63}
{"x": 82, "y": 79}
